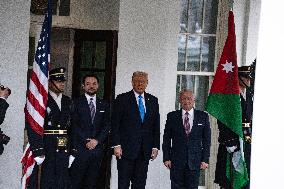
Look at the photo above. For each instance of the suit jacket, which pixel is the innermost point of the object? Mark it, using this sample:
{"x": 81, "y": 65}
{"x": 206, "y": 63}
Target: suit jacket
{"x": 82, "y": 126}
{"x": 55, "y": 119}
{"x": 129, "y": 131}
{"x": 3, "y": 108}
{"x": 182, "y": 149}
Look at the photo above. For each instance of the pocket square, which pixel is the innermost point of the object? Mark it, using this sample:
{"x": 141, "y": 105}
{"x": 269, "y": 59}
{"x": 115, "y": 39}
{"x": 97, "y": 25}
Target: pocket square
{"x": 199, "y": 124}
{"x": 102, "y": 111}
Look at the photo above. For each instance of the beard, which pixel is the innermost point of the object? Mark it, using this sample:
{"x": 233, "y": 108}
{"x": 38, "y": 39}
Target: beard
{"x": 91, "y": 93}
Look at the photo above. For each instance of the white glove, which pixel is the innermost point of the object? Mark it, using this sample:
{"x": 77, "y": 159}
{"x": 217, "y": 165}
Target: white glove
{"x": 231, "y": 149}
{"x": 39, "y": 160}
{"x": 71, "y": 159}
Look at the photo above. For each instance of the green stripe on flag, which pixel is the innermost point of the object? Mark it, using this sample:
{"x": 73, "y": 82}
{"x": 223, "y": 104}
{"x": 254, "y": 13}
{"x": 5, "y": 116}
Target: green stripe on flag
{"x": 227, "y": 109}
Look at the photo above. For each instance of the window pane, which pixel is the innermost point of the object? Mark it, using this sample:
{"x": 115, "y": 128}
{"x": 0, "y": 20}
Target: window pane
{"x": 184, "y": 16}
{"x": 181, "y": 52}
{"x": 193, "y": 53}
{"x": 195, "y": 16}
{"x": 198, "y": 84}
{"x": 87, "y": 53}
{"x": 100, "y": 55}
{"x": 64, "y": 8}
{"x": 210, "y": 20}
{"x": 208, "y": 54}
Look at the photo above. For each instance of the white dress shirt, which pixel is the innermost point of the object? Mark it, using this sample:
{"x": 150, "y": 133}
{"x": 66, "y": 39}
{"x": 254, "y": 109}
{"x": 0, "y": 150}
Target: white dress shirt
{"x": 244, "y": 94}
{"x": 89, "y": 99}
{"x": 137, "y": 99}
{"x": 56, "y": 98}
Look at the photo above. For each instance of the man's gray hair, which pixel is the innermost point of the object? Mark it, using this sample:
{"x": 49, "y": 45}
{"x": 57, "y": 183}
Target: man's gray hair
{"x": 186, "y": 91}
{"x": 140, "y": 74}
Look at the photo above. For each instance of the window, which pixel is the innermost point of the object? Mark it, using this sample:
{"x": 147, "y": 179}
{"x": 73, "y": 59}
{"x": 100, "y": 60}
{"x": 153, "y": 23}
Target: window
{"x": 196, "y": 51}
{"x": 196, "y": 47}
{"x": 59, "y": 7}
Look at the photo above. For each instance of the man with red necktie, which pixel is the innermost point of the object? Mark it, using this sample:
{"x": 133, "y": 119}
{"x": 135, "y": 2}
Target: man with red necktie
{"x": 186, "y": 143}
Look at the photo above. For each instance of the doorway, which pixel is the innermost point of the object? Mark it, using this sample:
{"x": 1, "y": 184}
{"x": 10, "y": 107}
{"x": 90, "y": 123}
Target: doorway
{"x": 95, "y": 52}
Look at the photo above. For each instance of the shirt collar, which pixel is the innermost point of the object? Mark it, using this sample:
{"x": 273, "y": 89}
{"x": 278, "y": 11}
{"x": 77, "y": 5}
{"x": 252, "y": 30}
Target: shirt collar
{"x": 89, "y": 97}
{"x": 190, "y": 112}
{"x": 136, "y": 95}
{"x": 54, "y": 96}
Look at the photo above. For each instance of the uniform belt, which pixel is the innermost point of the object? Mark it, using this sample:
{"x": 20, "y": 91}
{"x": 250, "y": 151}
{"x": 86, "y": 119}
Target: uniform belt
{"x": 247, "y": 125}
{"x": 55, "y": 132}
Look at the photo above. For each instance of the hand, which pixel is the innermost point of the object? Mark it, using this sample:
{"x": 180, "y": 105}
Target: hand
{"x": 39, "y": 159}
{"x": 71, "y": 160}
{"x": 168, "y": 164}
{"x": 91, "y": 144}
{"x": 203, "y": 165}
{"x": 117, "y": 152}
{"x": 154, "y": 154}
{"x": 4, "y": 93}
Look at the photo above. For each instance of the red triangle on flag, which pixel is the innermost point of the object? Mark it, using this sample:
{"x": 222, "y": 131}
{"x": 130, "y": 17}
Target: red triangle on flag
{"x": 226, "y": 76}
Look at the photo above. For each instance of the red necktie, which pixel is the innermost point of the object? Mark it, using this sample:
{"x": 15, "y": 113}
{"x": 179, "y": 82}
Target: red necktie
{"x": 186, "y": 124}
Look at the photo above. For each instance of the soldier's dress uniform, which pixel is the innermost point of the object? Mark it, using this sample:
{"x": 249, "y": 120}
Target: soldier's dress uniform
{"x": 55, "y": 143}
{"x": 227, "y": 138}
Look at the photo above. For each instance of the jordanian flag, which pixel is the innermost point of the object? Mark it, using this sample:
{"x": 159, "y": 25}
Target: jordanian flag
{"x": 224, "y": 103}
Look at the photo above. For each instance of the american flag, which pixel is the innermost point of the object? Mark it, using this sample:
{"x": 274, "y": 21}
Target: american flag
{"x": 37, "y": 94}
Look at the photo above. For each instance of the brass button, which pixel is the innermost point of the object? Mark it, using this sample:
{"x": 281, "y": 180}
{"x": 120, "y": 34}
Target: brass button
{"x": 58, "y": 126}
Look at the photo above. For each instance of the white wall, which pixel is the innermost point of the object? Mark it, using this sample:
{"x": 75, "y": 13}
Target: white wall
{"x": 14, "y": 35}
{"x": 253, "y": 30}
{"x": 247, "y": 26}
{"x": 267, "y": 142}
{"x": 91, "y": 14}
{"x": 147, "y": 41}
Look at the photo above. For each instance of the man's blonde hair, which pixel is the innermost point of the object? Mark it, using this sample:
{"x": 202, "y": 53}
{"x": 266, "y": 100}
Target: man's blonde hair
{"x": 140, "y": 74}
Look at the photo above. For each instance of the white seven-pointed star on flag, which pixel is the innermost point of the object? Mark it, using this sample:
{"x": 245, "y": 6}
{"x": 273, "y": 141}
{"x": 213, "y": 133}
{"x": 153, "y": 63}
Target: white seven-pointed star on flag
{"x": 228, "y": 67}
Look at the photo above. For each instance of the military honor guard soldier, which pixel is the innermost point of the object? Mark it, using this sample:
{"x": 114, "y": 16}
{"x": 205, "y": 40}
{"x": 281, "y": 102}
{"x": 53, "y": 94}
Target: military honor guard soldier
{"x": 52, "y": 150}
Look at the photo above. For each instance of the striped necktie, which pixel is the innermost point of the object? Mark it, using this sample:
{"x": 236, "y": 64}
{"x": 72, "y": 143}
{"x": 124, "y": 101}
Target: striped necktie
{"x": 186, "y": 123}
{"x": 92, "y": 109}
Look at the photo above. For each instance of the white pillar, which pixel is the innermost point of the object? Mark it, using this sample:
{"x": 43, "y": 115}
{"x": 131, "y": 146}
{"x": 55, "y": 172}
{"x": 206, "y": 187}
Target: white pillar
{"x": 14, "y": 40}
{"x": 147, "y": 41}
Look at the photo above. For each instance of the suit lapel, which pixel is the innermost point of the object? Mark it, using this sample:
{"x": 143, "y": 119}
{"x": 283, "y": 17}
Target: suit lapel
{"x": 147, "y": 106}
{"x": 134, "y": 105}
{"x": 180, "y": 122}
{"x": 85, "y": 105}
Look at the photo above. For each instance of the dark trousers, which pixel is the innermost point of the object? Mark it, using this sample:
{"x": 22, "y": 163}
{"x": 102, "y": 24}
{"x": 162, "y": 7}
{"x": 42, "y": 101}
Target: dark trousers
{"x": 85, "y": 169}
{"x": 134, "y": 171}
{"x": 53, "y": 173}
{"x": 184, "y": 178}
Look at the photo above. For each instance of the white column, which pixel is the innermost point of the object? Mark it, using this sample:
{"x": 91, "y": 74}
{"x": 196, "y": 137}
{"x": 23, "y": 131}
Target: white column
{"x": 147, "y": 41}
{"x": 14, "y": 40}
{"x": 267, "y": 140}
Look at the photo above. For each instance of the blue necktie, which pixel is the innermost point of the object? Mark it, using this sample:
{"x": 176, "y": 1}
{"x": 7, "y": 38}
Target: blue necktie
{"x": 141, "y": 108}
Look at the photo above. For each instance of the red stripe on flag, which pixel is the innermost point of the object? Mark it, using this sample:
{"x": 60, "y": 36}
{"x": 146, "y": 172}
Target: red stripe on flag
{"x": 40, "y": 87}
{"x": 33, "y": 124}
{"x": 34, "y": 101}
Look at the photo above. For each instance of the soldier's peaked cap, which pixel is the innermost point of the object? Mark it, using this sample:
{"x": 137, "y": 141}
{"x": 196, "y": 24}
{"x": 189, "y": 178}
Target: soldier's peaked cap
{"x": 57, "y": 74}
{"x": 244, "y": 71}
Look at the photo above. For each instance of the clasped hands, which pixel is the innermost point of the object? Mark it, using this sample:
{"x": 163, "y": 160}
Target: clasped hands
{"x": 91, "y": 144}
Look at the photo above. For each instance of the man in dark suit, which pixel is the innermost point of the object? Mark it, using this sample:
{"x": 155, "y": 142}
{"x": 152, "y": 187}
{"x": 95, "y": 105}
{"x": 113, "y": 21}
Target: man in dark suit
{"x": 90, "y": 128}
{"x": 186, "y": 143}
{"x": 51, "y": 150}
{"x": 136, "y": 132}
{"x": 228, "y": 140}
{"x": 4, "y": 94}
